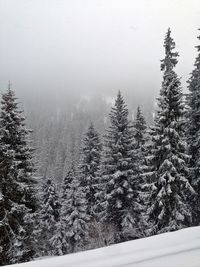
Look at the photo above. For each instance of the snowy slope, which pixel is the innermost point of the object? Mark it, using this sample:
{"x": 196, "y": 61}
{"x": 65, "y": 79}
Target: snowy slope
{"x": 176, "y": 249}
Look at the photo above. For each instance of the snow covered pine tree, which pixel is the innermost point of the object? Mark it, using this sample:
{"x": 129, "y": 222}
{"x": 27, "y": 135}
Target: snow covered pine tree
{"x": 120, "y": 171}
{"x": 140, "y": 128}
{"x": 61, "y": 242}
{"x": 49, "y": 214}
{"x": 74, "y": 216}
{"x": 141, "y": 139}
{"x": 17, "y": 201}
{"x": 91, "y": 181}
{"x": 193, "y": 133}
{"x": 89, "y": 167}
{"x": 170, "y": 189}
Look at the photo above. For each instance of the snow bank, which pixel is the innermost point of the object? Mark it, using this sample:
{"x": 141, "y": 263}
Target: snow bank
{"x": 176, "y": 249}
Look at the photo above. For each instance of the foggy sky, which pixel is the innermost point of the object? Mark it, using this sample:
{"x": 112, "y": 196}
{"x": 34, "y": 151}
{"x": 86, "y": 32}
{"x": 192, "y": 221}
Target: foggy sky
{"x": 86, "y": 46}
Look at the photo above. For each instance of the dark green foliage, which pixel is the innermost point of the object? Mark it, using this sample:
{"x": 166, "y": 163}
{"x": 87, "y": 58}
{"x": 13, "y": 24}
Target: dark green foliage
{"x": 141, "y": 146}
{"x": 121, "y": 173}
{"x": 16, "y": 185}
{"x": 171, "y": 191}
{"x": 140, "y": 128}
{"x": 47, "y": 218}
{"x": 193, "y": 133}
{"x": 89, "y": 168}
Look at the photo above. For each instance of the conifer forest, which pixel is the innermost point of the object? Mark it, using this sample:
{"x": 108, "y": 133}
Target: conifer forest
{"x": 93, "y": 183}
{"x": 99, "y": 132}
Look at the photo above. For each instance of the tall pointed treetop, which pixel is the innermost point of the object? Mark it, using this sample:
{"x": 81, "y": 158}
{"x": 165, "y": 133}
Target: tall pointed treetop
{"x": 170, "y": 60}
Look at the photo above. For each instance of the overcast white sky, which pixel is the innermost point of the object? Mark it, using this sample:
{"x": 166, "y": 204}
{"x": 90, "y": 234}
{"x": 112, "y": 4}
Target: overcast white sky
{"x": 93, "y": 45}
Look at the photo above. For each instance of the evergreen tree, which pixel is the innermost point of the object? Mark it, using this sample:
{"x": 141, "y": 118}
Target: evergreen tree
{"x": 48, "y": 217}
{"x": 17, "y": 199}
{"x": 140, "y": 129}
{"x": 60, "y": 240}
{"x": 141, "y": 144}
{"x": 121, "y": 173}
{"x": 170, "y": 189}
{"x": 193, "y": 133}
{"x": 74, "y": 215}
{"x": 90, "y": 162}
{"x": 141, "y": 140}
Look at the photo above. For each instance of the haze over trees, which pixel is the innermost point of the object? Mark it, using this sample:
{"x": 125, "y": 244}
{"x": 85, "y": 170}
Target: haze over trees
{"x": 100, "y": 178}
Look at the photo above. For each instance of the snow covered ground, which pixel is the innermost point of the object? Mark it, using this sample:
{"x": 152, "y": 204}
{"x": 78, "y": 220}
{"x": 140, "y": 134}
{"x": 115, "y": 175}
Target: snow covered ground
{"x": 176, "y": 249}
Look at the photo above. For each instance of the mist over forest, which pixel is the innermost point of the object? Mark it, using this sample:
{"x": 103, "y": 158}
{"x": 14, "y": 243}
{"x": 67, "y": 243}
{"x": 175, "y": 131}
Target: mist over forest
{"x": 67, "y": 60}
{"x": 99, "y": 124}
{"x": 59, "y": 123}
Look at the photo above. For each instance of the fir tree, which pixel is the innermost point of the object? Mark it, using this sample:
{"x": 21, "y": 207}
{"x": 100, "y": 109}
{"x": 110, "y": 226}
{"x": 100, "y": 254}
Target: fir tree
{"x": 16, "y": 183}
{"x": 140, "y": 129}
{"x": 74, "y": 215}
{"x": 141, "y": 143}
{"x": 47, "y": 219}
{"x": 141, "y": 140}
{"x": 193, "y": 133}
{"x": 61, "y": 240}
{"x": 170, "y": 189}
{"x": 90, "y": 162}
{"x": 121, "y": 173}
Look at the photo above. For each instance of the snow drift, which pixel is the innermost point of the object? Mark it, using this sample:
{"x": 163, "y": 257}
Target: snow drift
{"x": 176, "y": 249}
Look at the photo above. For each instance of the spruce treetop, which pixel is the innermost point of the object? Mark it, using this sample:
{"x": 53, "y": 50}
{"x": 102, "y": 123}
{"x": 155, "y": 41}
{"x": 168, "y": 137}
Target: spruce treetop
{"x": 170, "y": 60}
{"x": 91, "y": 152}
{"x": 119, "y": 113}
{"x": 139, "y": 128}
{"x": 170, "y": 102}
{"x": 197, "y": 62}
{"x": 194, "y": 81}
